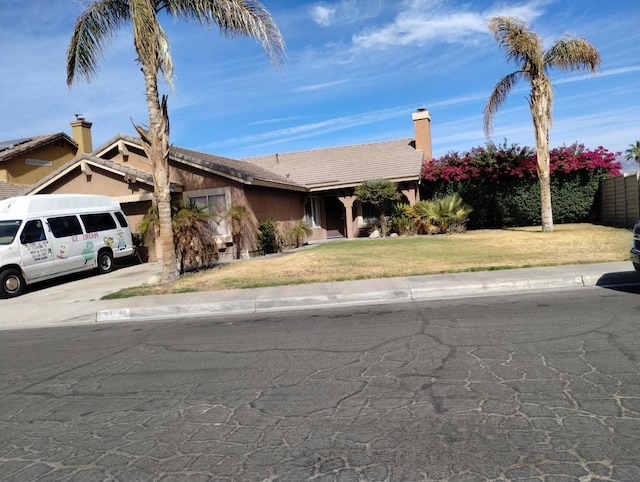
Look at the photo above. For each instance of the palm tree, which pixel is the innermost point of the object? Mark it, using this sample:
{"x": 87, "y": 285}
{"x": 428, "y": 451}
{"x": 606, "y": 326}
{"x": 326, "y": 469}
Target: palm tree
{"x": 378, "y": 192}
{"x": 102, "y": 18}
{"x": 633, "y": 152}
{"x": 523, "y": 46}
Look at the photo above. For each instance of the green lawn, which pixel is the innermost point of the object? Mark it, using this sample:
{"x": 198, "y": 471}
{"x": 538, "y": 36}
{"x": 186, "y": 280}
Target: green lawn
{"x": 411, "y": 256}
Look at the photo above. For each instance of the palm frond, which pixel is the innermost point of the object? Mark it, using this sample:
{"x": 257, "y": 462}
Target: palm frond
{"x": 521, "y": 44}
{"x": 497, "y": 98}
{"x": 150, "y": 40}
{"x": 570, "y": 53}
{"x": 234, "y": 18}
{"x": 92, "y": 30}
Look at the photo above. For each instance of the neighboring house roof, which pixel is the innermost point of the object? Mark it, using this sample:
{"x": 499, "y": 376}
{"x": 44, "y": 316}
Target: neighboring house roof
{"x": 14, "y": 147}
{"x": 346, "y": 166}
{"x": 8, "y": 190}
{"x": 241, "y": 171}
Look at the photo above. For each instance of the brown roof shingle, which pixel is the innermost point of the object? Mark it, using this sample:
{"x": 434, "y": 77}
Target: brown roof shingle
{"x": 8, "y": 190}
{"x": 346, "y": 166}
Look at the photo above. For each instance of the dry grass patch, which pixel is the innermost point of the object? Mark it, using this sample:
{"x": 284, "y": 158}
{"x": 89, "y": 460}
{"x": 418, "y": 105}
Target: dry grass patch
{"x": 392, "y": 257}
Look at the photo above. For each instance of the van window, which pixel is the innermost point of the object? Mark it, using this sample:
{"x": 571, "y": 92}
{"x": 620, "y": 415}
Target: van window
{"x": 33, "y": 231}
{"x": 64, "y": 226}
{"x": 121, "y": 219}
{"x": 8, "y": 230}
{"x": 98, "y": 222}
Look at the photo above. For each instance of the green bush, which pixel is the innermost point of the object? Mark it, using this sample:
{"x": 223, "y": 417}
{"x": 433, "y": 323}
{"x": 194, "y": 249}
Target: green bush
{"x": 267, "y": 240}
{"x": 501, "y": 183}
{"x": 401, "y": 219}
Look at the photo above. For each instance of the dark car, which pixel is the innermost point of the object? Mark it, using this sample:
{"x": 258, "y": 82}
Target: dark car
{"x": 635, "y": 247}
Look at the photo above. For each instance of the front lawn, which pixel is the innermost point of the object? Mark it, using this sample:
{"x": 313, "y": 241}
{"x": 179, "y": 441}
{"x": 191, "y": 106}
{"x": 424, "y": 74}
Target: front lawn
{"x": 419, "y": 255}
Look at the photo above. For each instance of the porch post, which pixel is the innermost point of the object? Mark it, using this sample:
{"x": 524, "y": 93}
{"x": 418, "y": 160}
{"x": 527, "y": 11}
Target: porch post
{"x": 411, "y": 194}
{"x": 347, "y": 202}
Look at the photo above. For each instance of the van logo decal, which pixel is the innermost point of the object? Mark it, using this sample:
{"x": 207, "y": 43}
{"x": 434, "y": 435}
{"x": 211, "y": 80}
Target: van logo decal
{"x": 89, "y": 252}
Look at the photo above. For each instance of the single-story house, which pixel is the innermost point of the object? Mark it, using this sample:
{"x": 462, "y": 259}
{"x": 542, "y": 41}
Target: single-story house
{"x": 315, "y": 185}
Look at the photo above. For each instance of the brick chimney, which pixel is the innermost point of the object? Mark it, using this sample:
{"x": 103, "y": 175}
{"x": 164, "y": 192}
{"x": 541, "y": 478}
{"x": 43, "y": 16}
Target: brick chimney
{"x": 422, "y": 128}
{"x": 81, "y": 133}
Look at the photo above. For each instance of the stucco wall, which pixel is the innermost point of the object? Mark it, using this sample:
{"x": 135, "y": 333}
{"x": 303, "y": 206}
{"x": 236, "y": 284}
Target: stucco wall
{"x": 19, "y": 172}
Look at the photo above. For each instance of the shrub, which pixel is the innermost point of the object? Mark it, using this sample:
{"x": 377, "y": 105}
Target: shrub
{"x": 402, "y": 220}
{"x": 194, "y": 242}
{"x": 267, "y": 240}
{"x": 443, "y": 215}
{"x": 294, "y": 234}
{"x": 501, "y": 182}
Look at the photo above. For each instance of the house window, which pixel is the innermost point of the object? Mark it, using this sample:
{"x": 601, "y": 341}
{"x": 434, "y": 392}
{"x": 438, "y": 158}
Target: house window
{"x": 369, "y": 214}
{"x": 215, "y": 202}
{"x": 312, "y": 212}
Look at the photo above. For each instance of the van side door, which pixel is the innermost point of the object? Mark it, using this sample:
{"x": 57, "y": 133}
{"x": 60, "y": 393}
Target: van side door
{"x": 70, "y": 249}
{"x": 36, "y": 251}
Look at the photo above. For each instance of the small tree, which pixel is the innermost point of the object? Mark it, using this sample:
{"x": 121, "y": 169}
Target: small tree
{"x": 237, "y": 216}
{"x": 379, "y": 193}
{"x": 633, "y": 152}
{"x": 295, "y": 234}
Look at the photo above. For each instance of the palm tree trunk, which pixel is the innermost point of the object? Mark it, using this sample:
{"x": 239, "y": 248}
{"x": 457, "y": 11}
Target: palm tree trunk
{"x": 539, "y": 109}
{"x": 155, "y": 141}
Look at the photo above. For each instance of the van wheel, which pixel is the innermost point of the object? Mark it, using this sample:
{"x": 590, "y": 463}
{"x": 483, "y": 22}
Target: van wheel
{"x": 105, "y": 262}
{"x": 11, "y": 283}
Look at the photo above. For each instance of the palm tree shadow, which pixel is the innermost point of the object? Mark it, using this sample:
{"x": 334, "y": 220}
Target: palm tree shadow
{"x": 625, "y": 281}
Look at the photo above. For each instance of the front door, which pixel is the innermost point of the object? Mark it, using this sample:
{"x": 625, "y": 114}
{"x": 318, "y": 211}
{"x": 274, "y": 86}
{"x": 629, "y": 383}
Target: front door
{"x": 334, "y": 210}
{"x": 36, "y": 251}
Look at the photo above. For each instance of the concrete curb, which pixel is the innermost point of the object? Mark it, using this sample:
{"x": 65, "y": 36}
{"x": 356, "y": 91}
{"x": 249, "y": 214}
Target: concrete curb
{"x": 430, "y": 290}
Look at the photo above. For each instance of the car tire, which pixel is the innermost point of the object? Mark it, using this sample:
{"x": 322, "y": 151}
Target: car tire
{"x": 11, "y": 283}
{"x": 105, "y": 262}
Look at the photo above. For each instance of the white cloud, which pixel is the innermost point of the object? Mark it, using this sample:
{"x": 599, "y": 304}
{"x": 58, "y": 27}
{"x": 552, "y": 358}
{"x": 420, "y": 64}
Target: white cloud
{"x": 422, "y": 21}
{"x": 322, "y": 86}
{"x": 323, "y": 15}
{"x": 344, "y": 12}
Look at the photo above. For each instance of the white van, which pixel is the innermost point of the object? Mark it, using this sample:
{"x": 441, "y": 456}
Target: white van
{"x": 48, "y": 235}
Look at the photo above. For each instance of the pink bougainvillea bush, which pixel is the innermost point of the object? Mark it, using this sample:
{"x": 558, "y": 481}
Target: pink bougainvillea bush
{"x": 500, "y": 182}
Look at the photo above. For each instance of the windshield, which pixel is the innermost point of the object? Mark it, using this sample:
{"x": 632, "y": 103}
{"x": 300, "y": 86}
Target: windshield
{"x": 8, "y": 230}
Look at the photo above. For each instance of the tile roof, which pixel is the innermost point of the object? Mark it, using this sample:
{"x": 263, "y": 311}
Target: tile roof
{"x": 10, "y": 190}
{"x": 244, "y": 171}
{"x": 113, "y": 166}
{"x": 15, "y": 147}
{"x": 345, "y": 166}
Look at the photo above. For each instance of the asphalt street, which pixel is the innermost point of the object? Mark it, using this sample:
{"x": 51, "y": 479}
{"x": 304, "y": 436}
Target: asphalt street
{"x": 527, "y": 387}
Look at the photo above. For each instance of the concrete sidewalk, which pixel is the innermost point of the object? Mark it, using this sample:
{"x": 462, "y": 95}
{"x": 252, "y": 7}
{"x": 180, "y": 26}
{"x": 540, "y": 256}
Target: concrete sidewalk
{"x": 78, "y": 301}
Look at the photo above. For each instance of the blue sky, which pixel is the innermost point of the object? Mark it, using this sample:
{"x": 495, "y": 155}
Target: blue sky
{"x": 355, "y": 71}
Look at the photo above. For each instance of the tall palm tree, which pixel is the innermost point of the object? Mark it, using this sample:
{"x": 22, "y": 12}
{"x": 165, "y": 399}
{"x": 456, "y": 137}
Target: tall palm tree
{"x": 633, "y": 152}
{"x": 99, "y": 22}
{"x": 523, "y": 46}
